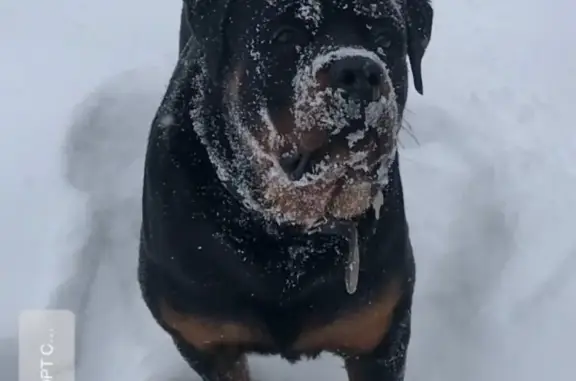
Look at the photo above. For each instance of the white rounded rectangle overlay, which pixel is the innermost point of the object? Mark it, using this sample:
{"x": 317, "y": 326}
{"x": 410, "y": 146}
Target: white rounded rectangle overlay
{"x": 46, "y": 345}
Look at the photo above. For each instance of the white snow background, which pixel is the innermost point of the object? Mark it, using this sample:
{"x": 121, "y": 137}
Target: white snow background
{"x": 490, "y": 186}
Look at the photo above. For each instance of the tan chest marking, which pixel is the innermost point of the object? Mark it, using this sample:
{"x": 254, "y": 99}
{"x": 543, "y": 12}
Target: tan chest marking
{"x": 205, "y": 335}
{"x": 359, "y": 331}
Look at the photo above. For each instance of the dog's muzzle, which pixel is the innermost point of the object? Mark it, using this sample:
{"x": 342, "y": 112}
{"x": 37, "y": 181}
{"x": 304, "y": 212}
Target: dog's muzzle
{"x": 343, "y": 96}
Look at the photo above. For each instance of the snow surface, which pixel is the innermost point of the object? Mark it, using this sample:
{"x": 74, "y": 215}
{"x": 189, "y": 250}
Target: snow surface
{"x": 489, "y": 180}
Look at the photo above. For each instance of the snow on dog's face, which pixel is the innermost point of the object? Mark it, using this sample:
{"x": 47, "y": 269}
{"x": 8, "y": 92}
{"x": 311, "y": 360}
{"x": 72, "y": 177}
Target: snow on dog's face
{"x": 313, "y": 96}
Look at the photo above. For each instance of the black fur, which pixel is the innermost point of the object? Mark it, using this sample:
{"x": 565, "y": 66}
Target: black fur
{"x": 207, "y": 254}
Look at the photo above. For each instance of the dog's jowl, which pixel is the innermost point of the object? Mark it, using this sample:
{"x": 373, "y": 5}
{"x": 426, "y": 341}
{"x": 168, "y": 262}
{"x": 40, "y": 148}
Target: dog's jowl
{"x": 273, "y": 212}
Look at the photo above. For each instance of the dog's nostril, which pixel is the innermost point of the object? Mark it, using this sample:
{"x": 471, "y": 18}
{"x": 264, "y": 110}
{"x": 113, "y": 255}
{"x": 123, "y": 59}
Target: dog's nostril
{"x": 348, "y": 78}
{"x": 374, "y": 79}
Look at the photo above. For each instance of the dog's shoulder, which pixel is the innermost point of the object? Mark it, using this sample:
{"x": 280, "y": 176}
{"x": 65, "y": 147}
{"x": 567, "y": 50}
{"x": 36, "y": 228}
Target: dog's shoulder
{"x": 178, "y": 178}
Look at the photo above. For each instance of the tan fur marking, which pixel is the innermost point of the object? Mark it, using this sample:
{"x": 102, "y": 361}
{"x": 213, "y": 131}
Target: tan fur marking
{"x": 351, "y": 200}
{"x": 304, "y": 141}
{"x": 206, "y": 335}
{"x": 357, "y": 332}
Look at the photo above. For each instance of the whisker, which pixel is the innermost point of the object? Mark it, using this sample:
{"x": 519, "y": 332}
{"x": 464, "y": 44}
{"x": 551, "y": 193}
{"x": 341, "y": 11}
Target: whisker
{"x": 406, "y": 126}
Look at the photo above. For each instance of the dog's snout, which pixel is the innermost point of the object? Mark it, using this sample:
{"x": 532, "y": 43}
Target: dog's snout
{"x": 359, "y": 77}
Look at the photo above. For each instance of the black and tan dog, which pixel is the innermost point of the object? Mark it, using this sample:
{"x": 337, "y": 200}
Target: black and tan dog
{"x": 273, "y": 212}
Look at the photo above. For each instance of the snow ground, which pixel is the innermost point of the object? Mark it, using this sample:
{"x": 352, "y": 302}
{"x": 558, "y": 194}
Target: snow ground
{"x": 490, "y": 187}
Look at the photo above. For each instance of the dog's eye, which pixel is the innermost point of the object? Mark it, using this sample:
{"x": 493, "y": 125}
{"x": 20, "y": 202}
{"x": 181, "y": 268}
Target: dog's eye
{"x": 382, "y": 36}
{"x": 288, "y": 35}
{"x": 383, "y": 41}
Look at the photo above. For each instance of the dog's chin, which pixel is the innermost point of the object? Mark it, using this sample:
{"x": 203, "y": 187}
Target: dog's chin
{"x": 340, "y": 187}
{"x": 320, "y": 201}
{"x": 331, "y": 196}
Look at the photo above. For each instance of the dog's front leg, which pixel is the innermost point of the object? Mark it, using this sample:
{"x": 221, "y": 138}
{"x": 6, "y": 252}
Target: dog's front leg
{"x": 223, "y": 364}
{"x": 387, "y": 361}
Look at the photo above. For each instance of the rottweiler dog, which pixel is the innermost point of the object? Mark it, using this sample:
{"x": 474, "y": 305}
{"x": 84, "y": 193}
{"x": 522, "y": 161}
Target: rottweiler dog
{"x": 273, "y": 211}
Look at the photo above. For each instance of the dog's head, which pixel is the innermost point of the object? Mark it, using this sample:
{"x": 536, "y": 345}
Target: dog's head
{"x": 313, "y": 93}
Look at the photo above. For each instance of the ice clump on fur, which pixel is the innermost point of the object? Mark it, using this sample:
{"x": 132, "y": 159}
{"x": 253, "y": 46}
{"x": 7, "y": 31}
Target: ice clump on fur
{"x": 310, "y": 11}
{"x": 379, "y": 9}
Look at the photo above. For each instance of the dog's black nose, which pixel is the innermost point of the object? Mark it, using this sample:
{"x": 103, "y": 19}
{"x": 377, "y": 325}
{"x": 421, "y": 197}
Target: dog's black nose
{"x": 359, "y": 77}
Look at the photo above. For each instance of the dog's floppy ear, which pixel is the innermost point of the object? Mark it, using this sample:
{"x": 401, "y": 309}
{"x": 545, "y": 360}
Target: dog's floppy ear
{"x": 206, "y": 20}
{"x": 419, "y": 26}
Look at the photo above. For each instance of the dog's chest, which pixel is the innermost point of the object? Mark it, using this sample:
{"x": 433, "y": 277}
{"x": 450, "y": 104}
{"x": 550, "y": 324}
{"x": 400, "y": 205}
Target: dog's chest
{"x": 288, "y": 273}
{"x": 326, "y": 320}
